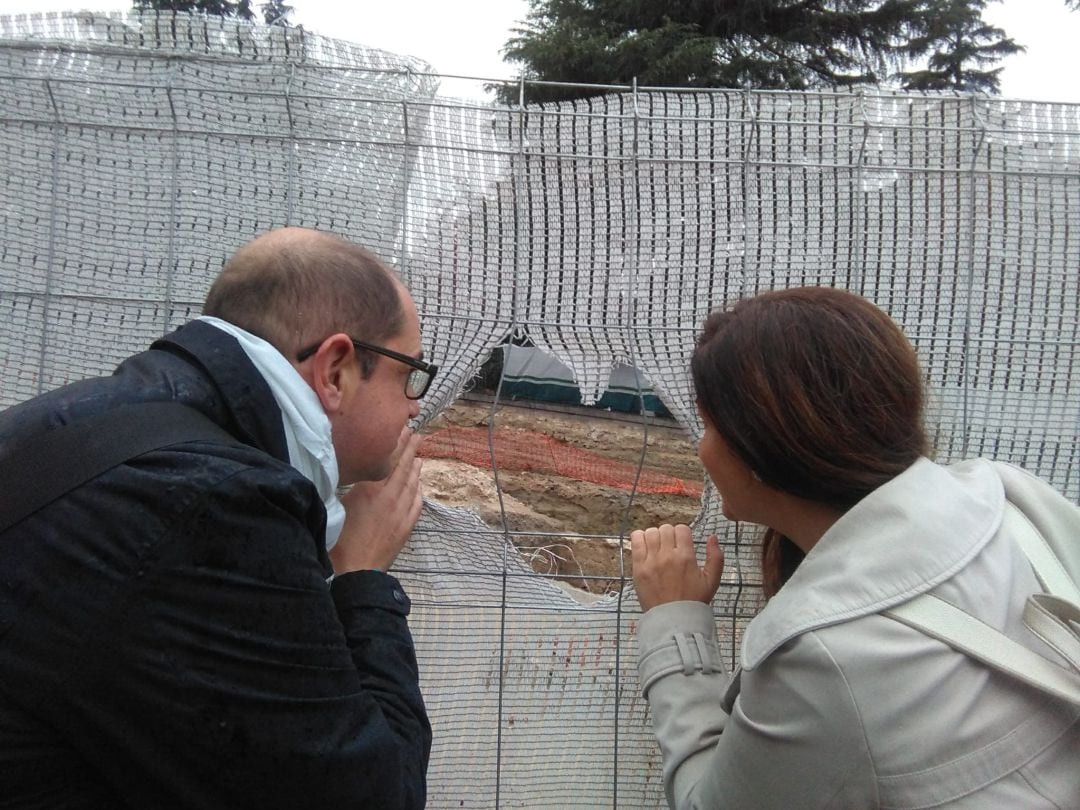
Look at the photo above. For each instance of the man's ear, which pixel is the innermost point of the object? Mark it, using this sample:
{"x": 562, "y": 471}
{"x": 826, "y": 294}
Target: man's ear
{"x": 331, "y": 371}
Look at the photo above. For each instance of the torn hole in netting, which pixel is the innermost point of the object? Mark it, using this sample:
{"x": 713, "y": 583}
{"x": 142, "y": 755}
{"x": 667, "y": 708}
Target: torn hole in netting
{"x": 565, "y": 483}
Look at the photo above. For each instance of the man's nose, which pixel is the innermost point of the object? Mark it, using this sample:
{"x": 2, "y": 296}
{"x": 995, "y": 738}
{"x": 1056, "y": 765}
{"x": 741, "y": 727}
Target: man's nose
{"x": 414, "y": 408}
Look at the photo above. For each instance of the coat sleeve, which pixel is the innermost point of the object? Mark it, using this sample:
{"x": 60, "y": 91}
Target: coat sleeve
{"x": 792, "y": 736}
{"x": 233, "y": 675}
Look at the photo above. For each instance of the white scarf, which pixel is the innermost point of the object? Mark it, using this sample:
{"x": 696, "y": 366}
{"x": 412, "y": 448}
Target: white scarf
{"x": 307, "y": 429}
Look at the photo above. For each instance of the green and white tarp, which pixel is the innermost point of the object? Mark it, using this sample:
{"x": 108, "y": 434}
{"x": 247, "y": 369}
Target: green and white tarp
{"x": 529, "y": 373}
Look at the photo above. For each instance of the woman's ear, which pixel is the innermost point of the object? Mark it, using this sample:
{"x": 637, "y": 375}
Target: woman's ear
{"x": 331, "y": 369}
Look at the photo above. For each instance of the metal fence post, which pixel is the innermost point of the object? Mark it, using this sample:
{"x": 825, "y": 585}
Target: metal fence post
{"x": 174, "y": 192}
{"x": 46, "y": 304}
{"x": 290, "y": 148}
{"x": 858, "y": 192}
{"x": 969, "y": 275}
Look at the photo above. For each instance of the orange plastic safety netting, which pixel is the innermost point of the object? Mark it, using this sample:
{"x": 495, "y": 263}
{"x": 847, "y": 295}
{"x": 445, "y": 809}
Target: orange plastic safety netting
{"x": 528, "y": 451}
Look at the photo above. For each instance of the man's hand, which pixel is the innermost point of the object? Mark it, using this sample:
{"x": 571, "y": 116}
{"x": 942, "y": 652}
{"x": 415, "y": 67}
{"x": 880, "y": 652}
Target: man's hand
{"x": 380, "y": 515}
{"x": 666, "y": 569}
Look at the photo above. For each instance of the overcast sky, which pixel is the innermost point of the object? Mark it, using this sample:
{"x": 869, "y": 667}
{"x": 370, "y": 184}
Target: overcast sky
{"x": 466, "y": 37}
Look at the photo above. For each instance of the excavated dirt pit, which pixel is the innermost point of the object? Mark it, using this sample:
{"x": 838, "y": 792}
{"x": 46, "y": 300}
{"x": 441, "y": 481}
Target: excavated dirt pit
{"x": 557, "y": 508}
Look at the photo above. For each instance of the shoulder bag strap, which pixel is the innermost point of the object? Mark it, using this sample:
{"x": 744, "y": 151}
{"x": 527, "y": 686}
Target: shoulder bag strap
{"x": 1048, "y": 568}
{"x": 964, "y": 633}
{"x": 51, "y": 464}
{"x": 1053, "y": 616}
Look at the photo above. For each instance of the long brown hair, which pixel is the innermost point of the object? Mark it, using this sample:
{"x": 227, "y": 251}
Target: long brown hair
{"x": 818, "y": 392}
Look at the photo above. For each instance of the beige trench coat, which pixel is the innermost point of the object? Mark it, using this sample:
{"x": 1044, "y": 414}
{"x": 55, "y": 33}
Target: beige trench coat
{"x": 835, "y": 706}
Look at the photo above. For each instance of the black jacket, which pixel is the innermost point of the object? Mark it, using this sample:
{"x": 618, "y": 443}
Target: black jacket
{"x": 167, "y": 634}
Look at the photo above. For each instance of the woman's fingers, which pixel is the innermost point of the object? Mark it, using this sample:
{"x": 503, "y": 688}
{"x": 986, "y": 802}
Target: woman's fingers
{"x": 713, "y": 569}
{"x": 666, "y": 568}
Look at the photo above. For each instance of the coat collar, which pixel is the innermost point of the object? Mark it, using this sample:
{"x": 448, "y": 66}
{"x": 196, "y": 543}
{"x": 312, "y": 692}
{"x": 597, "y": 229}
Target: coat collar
{"x": 251, "y": 413}
{"x": 903, "y": 539}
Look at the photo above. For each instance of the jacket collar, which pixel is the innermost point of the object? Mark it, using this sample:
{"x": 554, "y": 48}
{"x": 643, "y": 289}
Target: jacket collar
{"x": 903, "y": 539}
{"x": 251, "y": 413}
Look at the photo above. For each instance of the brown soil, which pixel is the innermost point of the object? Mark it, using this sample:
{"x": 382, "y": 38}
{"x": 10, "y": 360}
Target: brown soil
{"x": 554, "y": 510}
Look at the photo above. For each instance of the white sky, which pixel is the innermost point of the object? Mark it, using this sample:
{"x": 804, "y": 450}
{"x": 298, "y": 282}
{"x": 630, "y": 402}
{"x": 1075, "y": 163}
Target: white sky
{"x": 465, "y": 38}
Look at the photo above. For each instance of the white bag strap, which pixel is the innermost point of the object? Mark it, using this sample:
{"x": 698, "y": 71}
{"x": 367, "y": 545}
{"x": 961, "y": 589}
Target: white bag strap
{"x": 1057, "y": 622}
{"x": 963, "y": 632}
{"x": 1053, "y": 616}
{"x": 1048, "y": 568}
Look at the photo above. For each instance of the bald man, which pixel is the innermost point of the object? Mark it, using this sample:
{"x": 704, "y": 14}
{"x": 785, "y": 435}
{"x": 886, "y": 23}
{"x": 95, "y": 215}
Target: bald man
{"x": 206, "y": 624}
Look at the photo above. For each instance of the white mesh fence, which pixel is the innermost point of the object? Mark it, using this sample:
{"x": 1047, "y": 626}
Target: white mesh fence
{"x": 138, "y": 152}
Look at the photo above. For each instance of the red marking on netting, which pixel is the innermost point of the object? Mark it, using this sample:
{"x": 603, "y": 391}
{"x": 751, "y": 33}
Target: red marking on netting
{"x": 526, "y": 451}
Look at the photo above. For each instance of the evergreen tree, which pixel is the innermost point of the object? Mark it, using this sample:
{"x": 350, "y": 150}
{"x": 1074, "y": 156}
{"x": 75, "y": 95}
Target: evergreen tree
{"x": 214, "y": 8}
{"x": 960, "y": 47}
{"x": 779, "y": 44}
{"x": 274, "y": 12}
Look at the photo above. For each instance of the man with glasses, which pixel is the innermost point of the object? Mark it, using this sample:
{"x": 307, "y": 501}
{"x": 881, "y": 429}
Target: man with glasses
{"x": 207, "y": 623}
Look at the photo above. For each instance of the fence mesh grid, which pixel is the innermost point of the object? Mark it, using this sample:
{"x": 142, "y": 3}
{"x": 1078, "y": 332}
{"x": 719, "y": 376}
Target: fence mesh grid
{"x": 139, "y": 151}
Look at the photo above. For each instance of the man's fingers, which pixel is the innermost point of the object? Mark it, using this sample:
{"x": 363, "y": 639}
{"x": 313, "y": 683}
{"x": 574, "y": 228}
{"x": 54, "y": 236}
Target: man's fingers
{"x": 408, "y": 448}
{"x": 415, "y": 509}
{"x": 404, "y": 457}
{"x": 405, "y": 450}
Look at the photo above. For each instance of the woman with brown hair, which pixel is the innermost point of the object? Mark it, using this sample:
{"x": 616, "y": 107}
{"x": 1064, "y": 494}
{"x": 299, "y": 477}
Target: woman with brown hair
{"x": 812, "y": 406}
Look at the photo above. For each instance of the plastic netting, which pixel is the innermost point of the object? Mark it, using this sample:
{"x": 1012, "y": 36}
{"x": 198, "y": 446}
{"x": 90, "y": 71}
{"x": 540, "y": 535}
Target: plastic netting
{"x": 139, "y": 152}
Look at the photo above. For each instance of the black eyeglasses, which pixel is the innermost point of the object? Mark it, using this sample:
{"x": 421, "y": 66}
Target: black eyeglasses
{"x": 419, "y": 379}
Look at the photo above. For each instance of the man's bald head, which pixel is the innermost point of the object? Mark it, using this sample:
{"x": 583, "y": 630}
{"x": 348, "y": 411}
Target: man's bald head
{"x": 295, "y": 286}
